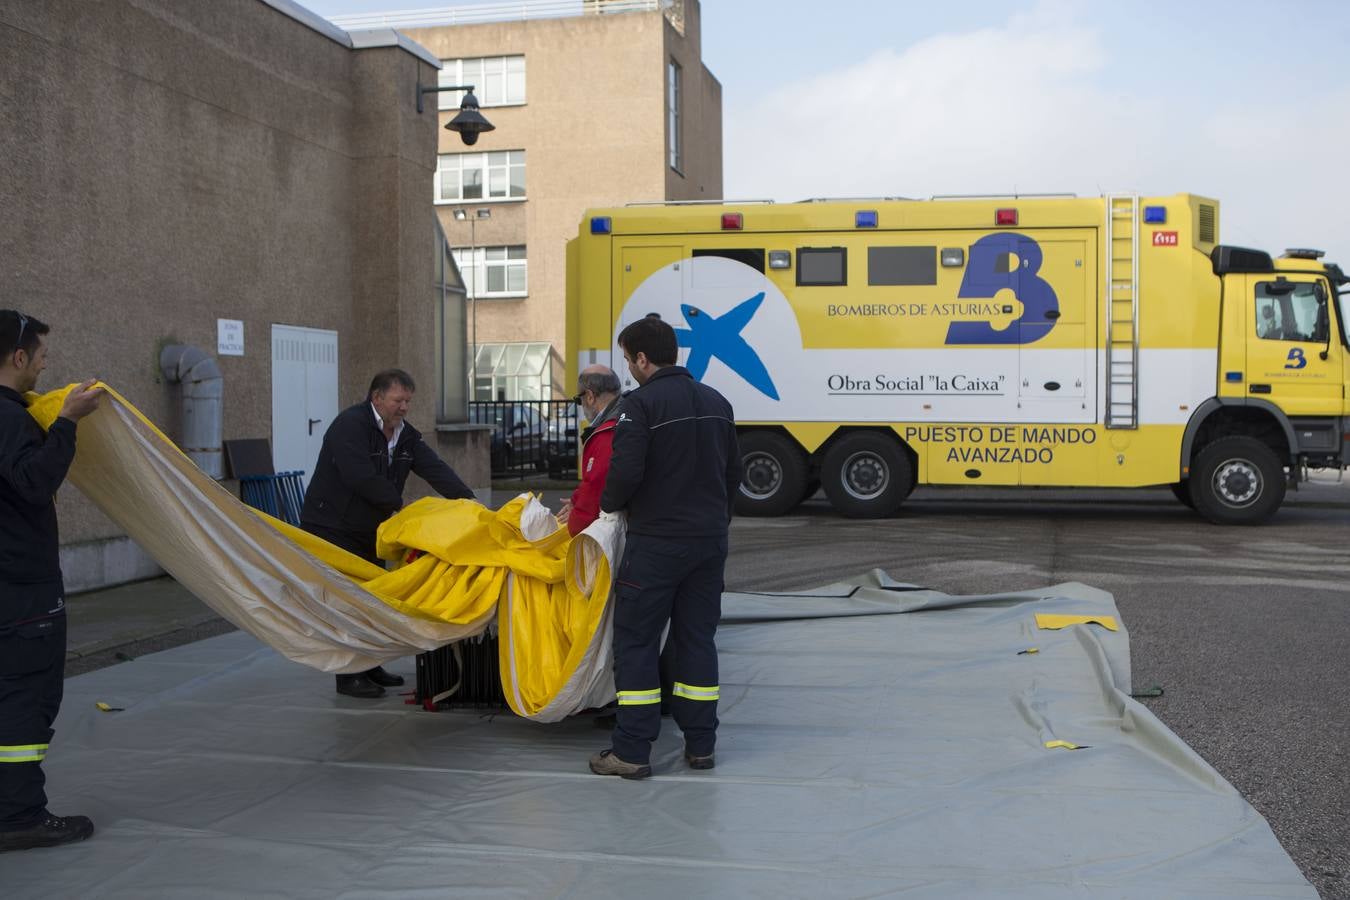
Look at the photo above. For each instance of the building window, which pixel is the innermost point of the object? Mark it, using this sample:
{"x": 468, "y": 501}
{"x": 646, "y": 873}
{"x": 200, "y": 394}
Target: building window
{"x": 511, "y": 372}
{"x": 499, "y": 175}
{"x": 493, "y": 272}
{"x": 674, "y": 93}
{"x": 496, "y": 80}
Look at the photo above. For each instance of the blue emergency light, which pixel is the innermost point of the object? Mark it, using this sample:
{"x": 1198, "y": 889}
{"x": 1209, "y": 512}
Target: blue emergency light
{"x": 1155, "y": 215}
{"x": 601, "y": 225}
{"x": 865, "y": 218}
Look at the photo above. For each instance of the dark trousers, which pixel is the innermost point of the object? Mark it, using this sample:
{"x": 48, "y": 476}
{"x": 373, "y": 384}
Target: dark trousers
{"x": 32, "y": 677}
{"x": 362, "y": 545}
{"x": 660, "y": 580}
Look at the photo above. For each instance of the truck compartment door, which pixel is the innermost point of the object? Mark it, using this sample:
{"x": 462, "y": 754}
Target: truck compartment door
{"x": 636, "y": 264}
{"x": 1057, "y": 351}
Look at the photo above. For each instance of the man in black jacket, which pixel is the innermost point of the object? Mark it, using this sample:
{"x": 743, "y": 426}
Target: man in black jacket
{"x": 675, "y": 469}
{"x": 32, "y": 594}
{"x": 358, "y": 481}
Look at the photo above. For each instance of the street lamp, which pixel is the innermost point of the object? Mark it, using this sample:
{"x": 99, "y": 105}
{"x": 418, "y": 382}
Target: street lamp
{"x": 469, "y": 122}
{"x": 460, "y": 215}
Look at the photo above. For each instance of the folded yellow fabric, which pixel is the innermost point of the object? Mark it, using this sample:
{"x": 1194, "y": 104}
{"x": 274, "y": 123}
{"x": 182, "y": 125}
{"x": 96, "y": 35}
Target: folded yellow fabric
{"x": 1053, "y": 621}
{"x": 324, "y": 607}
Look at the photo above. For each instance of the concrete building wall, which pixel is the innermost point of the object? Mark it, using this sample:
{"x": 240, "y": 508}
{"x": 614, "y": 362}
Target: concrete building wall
{"x": 700, "y": 174}
{"x": 166, "y": 164}
{"x": 593, "y": 128}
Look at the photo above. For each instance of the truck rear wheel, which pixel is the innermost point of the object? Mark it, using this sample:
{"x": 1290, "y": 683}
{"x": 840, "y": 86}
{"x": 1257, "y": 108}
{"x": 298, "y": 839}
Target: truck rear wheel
{"x": 866, "y": 475}
{"x": 1237, "y": 481}
{"x": 773, "y": 474}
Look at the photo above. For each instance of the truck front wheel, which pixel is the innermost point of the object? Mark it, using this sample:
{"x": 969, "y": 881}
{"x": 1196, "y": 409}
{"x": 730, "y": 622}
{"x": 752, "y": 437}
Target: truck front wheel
{"x": 1237, "y": 481}
{"x": 866, "y": 475}
{"x": 773, "y": 474}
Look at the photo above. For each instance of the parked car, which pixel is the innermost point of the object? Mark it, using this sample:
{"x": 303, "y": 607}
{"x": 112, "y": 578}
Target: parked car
{"x": 562, "y": 440}
{"x": 518, "y": 435}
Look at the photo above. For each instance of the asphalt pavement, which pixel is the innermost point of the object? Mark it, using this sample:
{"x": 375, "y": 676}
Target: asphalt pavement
{"x": 1244, "y": 629}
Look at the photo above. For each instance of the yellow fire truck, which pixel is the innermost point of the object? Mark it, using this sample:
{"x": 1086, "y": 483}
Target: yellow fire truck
{"x": 871, "y": 345}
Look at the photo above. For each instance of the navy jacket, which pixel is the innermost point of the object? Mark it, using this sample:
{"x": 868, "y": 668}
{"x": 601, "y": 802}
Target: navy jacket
{"x": 355, "y": 487}
{"x": 676, "y": 465}
{"x": 32, "y": 466}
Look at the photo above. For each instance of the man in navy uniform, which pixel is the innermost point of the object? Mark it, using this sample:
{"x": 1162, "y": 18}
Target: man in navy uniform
{"x": 675, "y": 470}
{"x": 32, "y": 594}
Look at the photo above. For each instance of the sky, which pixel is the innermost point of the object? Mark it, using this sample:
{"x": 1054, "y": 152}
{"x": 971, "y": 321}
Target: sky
{"x": 1244, "y": 102}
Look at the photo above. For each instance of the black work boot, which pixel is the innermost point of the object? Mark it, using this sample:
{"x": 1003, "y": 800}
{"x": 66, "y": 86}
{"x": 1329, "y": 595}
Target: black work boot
{"x": 383, "y": 678}
{"x": 359, "y": 685}
{"x": 48, "y": 832}
{"x": 700, "y": 762}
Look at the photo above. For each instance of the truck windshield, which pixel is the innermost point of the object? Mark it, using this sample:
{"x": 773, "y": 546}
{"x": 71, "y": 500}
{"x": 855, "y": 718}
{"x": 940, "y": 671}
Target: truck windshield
{"x": 1343, "y": 303}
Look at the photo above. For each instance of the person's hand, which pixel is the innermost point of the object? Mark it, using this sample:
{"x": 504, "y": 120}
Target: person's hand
{"x": 565, "y": 512}
{"x": 81, "y": 401}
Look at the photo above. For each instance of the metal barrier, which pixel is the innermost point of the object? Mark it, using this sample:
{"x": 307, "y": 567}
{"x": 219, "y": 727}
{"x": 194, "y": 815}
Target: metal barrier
{"x": 280, "y": 496}
{"x": 530, "y": 436}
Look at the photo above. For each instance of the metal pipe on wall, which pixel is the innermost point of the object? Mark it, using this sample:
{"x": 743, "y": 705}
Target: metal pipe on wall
{"x": 202, "y": 393}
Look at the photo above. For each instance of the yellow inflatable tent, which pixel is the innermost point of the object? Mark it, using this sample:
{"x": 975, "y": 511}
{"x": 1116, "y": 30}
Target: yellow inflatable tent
{"x": 321, "y": 606}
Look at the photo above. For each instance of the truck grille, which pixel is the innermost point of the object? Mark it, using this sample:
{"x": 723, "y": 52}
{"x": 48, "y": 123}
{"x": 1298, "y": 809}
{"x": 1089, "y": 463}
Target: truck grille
{"x": 1206, "y": 234}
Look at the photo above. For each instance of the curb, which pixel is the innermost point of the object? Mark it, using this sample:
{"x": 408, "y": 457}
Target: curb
{"x": 90, "y": 648}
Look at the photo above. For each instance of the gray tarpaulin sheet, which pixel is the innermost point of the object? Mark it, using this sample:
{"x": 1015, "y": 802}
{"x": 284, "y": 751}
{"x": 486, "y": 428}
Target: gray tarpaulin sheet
{"x": 861, "y": 753}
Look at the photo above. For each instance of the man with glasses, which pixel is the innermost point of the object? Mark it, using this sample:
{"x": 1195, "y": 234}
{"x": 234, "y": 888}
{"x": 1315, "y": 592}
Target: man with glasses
{"x": 598, "y": 402}
{"x": 32, "y": 595}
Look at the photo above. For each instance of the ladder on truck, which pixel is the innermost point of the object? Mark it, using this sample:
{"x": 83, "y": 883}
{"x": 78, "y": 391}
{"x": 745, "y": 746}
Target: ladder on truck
{"x": 1122, "y": 310}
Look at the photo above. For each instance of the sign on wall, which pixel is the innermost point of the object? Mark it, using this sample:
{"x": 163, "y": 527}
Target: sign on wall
{"x": 229, "y": 337}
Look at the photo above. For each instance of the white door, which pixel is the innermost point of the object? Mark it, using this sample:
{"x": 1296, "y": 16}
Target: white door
{"x": 304, "y": 395}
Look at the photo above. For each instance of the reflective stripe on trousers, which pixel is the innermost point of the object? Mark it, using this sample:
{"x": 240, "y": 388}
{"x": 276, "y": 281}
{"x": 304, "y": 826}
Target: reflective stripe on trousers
{"x": 639, "y": 698}
{"x": 693, "y": 692}
{"x": 22, "y": 753}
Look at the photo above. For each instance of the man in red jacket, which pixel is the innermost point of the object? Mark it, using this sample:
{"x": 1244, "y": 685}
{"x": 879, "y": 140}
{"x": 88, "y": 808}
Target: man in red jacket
{"x": 598, "y": 400}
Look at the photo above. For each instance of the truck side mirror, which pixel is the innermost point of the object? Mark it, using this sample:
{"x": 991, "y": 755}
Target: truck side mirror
{"x": 1323, "y": 327}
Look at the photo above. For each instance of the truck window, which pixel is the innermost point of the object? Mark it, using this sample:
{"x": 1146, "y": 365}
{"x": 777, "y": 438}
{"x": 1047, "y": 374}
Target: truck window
{"x": 901, "y": 265}
{"x": 822, "y": 266}
{"x": 1290, "y": 316}
{"x": 752, "y": 257}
